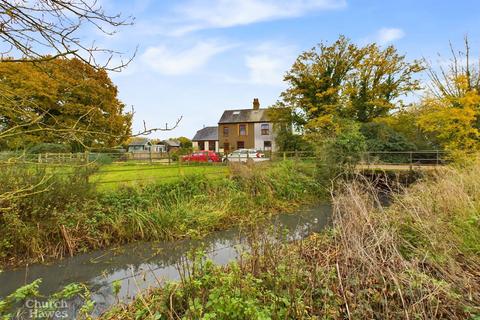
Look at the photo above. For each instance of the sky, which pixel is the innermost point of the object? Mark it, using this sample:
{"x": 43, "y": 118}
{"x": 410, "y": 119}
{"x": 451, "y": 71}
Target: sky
{"x": 196, "y": 58}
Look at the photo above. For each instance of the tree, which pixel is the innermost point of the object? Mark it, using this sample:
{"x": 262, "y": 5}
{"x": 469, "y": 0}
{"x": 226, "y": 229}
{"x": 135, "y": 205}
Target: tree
{"x": 404, "y": 122}
{"x": 343, "y": 149}
{"x": 286, "y": 140}
{"x": 380, "y": 137}
{"x": 40, "y": 30}
{"x": 284, "y": 127}
{"x": 453, "y": 120}
{"x": 379, "y": 79}
{"x": 343, "y": 80}
{"x": 185, "y": 143}
{"x": 316, "y": 80}
{"x": 58, "y": 101}
{"x": 451, "y": 107}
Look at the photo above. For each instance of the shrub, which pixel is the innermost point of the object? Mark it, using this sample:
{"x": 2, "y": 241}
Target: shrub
{"x": 100, "y": 158}
{"x": 33, "y": 201}
{"x": 49, "y": 148}
{"x": 62, "y": 215}
{"x": 341, "y": 152}
{"x": 418, "y": 258}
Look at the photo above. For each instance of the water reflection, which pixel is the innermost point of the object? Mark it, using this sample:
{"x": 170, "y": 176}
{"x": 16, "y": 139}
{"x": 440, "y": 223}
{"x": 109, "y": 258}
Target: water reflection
{"x": 142, "y": 265}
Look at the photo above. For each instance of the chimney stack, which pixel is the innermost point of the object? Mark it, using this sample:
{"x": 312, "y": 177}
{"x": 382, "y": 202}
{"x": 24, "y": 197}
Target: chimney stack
{"x": 256, "y": 104}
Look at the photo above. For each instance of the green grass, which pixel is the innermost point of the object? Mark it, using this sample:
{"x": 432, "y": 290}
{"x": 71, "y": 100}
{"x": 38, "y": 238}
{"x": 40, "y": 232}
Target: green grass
{"x": 67, "y": 215}
{"x": 417, "y": 258}
{"x": 115, "y": 175}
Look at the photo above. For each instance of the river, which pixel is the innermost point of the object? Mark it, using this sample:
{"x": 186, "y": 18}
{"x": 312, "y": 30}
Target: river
{"x": 139, "y": 266}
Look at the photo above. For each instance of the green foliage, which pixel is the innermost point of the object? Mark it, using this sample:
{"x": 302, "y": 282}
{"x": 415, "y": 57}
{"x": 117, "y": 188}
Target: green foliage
{"x": 286, "y": 140}
{"x": 40, "y": 224}
{"x": 344, "y": 80}
{"x": 451, "y": 109}
{"x": 342, "y": 151}
{"x": 404, "y": 123}
{"x": 60, "y": 101}
{"x": 380, "y": 137}
{"x": 453, "y": 120}
{"x": 208, "y": 291}
{"x": 13, "y": 300}
{"x": 184, "y": 142}
{"x": 49, "y": 148}
{"x": 30, "y": 195}
{"x": 11, "y": 307}
{"x": 417, "y": 258}
{"x": 101, "y": 158}
{"x": 331, "y": 85}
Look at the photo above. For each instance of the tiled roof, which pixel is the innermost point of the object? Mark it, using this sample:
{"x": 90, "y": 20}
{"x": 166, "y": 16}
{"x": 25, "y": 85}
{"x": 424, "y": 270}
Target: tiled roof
{"x": 206, "y": 134}
{"x": 244, "y": 115}
{"x": 139, "y": 142}
{"x": 172, "y": 143}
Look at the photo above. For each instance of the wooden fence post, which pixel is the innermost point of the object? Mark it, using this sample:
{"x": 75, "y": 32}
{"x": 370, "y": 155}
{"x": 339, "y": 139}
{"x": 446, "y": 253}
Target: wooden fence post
{"x": 411, "y": 160}
{"x": 86, "y": 165}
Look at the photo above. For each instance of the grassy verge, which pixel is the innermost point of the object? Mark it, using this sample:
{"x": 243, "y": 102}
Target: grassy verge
{"x": 418, "y": 258}
{"x": 112, "y": 176}
{"x": 63, "y": 215}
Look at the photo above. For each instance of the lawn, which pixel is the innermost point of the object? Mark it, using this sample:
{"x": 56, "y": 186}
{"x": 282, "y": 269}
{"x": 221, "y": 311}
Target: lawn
{"x": 113, "y": 175}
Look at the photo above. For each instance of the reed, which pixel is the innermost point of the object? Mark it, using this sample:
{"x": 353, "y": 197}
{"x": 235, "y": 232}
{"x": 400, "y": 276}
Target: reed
{"x": 416, "y": 258}
{"x": 68, "y": 216}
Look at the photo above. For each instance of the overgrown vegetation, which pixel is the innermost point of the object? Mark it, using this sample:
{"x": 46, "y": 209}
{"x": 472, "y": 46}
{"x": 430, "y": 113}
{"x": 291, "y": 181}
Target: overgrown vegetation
{"x": 59, "y": 214}
{"x": 333, "y": 85}
{"x": 418, "y": 258}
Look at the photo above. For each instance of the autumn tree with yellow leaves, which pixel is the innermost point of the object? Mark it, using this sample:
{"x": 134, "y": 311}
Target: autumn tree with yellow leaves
{"x": 60, "y": 101}
{"x": 343, "y": 80}
{"x": 451, "y": 108}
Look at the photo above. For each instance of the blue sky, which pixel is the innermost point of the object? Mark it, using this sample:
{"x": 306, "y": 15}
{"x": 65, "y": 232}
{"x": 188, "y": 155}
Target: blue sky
{"x": 197, "y": 58}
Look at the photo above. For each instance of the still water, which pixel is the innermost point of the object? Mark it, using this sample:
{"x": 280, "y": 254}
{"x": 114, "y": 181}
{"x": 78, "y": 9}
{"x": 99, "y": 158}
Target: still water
{"x": 140, "y": 266}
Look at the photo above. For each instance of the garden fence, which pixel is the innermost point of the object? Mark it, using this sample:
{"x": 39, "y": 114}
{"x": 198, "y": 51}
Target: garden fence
{"x": 117, "y": 168}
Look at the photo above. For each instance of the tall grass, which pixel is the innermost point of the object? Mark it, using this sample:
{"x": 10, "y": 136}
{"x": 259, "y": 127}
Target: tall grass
{"x": 417, "y": 258}
{"x": 69, "y": 217}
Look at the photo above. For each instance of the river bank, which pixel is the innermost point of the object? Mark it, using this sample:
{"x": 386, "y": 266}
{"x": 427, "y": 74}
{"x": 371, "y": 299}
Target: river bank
{"x": 418, "y": 258}
{"x": 139, "y": 266}
{"x": 69, "y": 217}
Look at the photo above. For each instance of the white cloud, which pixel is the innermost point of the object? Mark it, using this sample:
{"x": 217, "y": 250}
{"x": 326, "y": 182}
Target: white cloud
{"x": 387, "y": 35}
{"x": 268, "y": 64}
{"x": 170, "y": 61}
{"x": 205, "y": 14}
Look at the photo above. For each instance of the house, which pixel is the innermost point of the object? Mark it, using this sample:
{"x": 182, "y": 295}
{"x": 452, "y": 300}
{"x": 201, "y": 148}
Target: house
{"x": 159, "y": 146}
{"x": 246, "y": 129}
{"x": 171, "y": 145}
{"x": 139, "y": 145}
{"x": 206, "y": 139}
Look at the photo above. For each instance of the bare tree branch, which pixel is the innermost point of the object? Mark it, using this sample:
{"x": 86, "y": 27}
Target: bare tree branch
{"x": 42, "y": 30}
{"x": 147, "y": 131}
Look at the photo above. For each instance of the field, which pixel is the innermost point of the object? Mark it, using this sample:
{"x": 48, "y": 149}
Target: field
{"x": 113, "y": 175}
{"x": 75, "y": 211}
{"x": 417, "y": 258}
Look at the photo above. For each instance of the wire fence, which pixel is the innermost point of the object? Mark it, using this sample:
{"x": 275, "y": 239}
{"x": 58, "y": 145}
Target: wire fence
{"x": 123, "y": 168}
